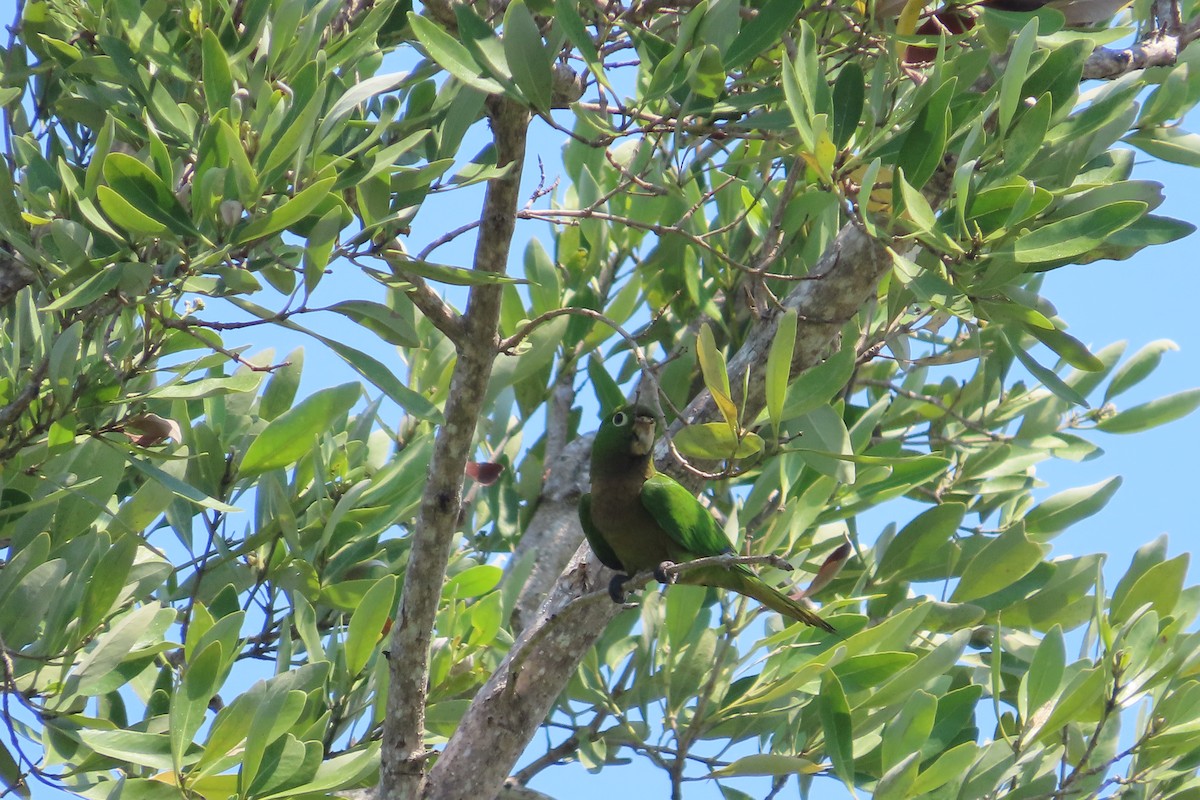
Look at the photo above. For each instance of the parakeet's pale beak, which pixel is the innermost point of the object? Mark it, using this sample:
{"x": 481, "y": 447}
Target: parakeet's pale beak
{"x": 643, "y": 435}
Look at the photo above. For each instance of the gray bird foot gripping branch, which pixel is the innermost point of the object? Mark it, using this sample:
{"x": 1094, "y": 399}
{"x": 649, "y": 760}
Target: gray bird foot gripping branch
{"x": 666, "y": 573}
{"x": 616, "y": 588}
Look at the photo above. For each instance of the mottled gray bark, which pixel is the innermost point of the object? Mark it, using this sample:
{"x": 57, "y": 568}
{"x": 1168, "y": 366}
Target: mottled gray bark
{"x": 403, "y": 757}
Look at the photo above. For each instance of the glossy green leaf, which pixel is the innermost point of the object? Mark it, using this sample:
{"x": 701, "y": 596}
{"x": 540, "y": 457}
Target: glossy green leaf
{"x": 218, "y": 79}
{"x": 201, "y": 679}
{"x": 714, "y": 441}
{"x": 1060, "y": 511}
{"x": 1041, "y": 683}
{"x": 779, "y": 366}
{"x": 455, "y": 276}
{"x": 925, "y": 142}
{"x": 138, "y": 186}
{"x": 366, "y": 627}
{"x": 531, "y": 65}
{"x": 767, "y": 764}
{"x": 180, "y": 487}
{"x": 823, "y": 431}
{"x": 1168, "y": 143}
{"x": 450, "y": 54}
{"x": 716, "y": 377}
{"x": 1074, "y": 236}
{"x": 908, "y": 732}
{"x": 473, "y": 581}
{"x": 1160, "y": 587}
{"x": 1012, "y": 81}
{"x": 290, "y": 436}
{"x": 848, "y": 96}
{"x": 380, "y": 320}
{"x": 1073, "y": 351}
{"x": 566, "y": 16}
{"x": 1138, "y": 367}
{"x": 287, "y": 213}
{"x": 281, "y": 389}
{"x": 922, "y": 539}
{"x": 1007, "y": 558}
{"x": 1047, "y": 377}
{"x": 837, "y": 725}
{"x": 760, "y": 32}
{"x": 951, "y": 765}
{"x": 125, "y": 215}
{"x": 1152, "y": 414}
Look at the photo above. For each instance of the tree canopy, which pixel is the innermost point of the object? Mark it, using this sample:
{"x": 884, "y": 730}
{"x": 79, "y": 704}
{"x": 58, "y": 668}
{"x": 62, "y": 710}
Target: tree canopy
{"x": 811, "y": 234}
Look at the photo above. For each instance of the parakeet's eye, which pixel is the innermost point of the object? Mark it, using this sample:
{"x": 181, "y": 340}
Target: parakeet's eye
{"x": 620, "y": 419}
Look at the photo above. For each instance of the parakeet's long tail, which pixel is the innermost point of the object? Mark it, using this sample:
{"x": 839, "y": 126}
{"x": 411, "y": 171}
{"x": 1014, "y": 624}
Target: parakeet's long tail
{"x": 752, "y": 586}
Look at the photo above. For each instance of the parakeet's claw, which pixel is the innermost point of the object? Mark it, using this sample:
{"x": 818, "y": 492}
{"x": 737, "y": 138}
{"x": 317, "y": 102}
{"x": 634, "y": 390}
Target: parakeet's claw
{"x": 662, "y": 576}
{"x": 616, "y": 588}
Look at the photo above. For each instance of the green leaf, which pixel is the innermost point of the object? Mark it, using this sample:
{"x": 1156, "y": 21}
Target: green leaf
{"x": 566, "y": 16}
{"x": 1073, "y": 351}
{"x": 282, "y": 387}
{"x": 922, "y": 539}
{"x": 1138, "y": 367}
{"x": 367, "y": 623}
{"x": 716, "y": 377}
{"x": 188, "y": 705}
{"x": 218, "y": 80}
{"x": 714, "y": 441}
{"x": 1160, "y": 587}
{"x": 1015, "y": 72}
{"x": 473, "y": 581}
{"x": 838, "y": 727}
{"x": 137, "y": 185}
{"x": 106, "y": 583}
{"x": 1041, "y": 683}
{"x": 684, "y": 611}
{"x": 1075, "y": 235}
{"x": 179, "y": 487}
{"x": 1170, "y": 143}
{"x": 767, "y": 764}
{"x": 356, "y": 94}
{"x": 950, "y": 765}
{"x": 848, "y": 96}
{"x": 779, "y": 366}
{"x": 450, "y": 54}
{"x": 287, "y": 214}
{"x": 293, "y": 434}
{"x": 1003, "y": 561}
{"x": 531, "y": 65}
{"x": 125, "y": 215}
{"x": 380, "y": 320}
{"x": 1064, "y": 509}
{"x": 1047, "y": 377}
{"x": 1151, "y": 415}
{"x": 456, "y": 276}
{"x": 908, "y": 732}
{"x": 151, "y": 750}
{"x": 925, "y": 142}
{"x": 823, "y": 432}
{"x": 762, "y": 33}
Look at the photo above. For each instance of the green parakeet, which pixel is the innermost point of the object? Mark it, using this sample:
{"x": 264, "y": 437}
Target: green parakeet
{"x": 636, "y": 519}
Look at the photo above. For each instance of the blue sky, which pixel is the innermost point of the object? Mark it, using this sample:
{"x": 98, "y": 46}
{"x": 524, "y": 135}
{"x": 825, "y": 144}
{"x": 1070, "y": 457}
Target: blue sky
{"x": 1152, "y": 296}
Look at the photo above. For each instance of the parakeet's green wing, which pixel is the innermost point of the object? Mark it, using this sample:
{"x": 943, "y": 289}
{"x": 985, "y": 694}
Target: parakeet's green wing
{"x": 600, "y": 547}
{"x": 679, "y": 513}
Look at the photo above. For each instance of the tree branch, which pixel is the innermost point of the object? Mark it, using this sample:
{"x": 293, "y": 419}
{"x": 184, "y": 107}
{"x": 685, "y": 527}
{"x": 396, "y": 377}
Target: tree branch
{"x": 402, "y": 770}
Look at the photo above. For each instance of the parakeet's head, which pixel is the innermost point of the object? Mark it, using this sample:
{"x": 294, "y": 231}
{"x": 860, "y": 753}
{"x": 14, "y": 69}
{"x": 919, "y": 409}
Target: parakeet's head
{"x": 626, "y": 435}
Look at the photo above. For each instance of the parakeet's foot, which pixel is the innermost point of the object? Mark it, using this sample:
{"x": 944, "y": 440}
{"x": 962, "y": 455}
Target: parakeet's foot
{"x": 662, "y": 576}
{"x": 616, "y": 588}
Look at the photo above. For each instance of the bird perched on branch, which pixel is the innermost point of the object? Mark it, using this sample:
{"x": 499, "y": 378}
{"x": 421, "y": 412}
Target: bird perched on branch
{"x": 637, "y": 519}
